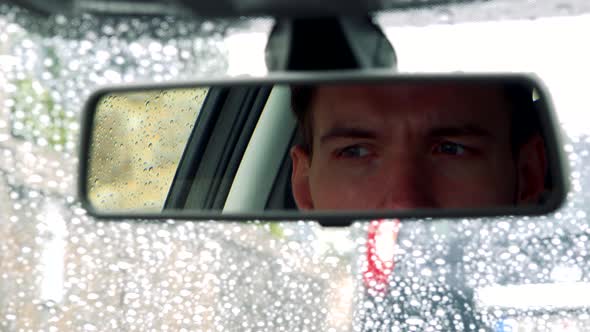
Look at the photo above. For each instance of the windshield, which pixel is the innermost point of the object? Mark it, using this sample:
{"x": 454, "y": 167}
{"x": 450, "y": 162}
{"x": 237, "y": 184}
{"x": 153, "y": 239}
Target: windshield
{"x": 63, "y": 270}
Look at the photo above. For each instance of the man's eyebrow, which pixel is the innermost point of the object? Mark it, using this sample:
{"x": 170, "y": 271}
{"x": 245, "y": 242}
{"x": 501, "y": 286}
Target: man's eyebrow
{"x": 347, "y": 132}
{"x": 460, "y": 130}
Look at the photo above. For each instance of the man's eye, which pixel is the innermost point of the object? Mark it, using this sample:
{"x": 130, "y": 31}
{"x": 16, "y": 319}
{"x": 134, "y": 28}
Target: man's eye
{"x": 354, "y": 151}
{"x": 450, "y": 148}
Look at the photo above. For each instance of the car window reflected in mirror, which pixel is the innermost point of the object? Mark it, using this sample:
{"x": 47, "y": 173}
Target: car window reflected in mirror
{"x": 138, "y": 140}
{"x": 374, "y": 147}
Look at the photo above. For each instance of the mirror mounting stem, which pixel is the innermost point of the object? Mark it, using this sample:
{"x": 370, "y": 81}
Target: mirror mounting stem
{"x": 328, "y": 43}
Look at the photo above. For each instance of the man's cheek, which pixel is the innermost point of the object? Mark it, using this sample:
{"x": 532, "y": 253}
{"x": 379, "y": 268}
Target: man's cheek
{"x": 485, "y": 190}
{"x": 461, "y": 168}
{"x": 334, "y": 191}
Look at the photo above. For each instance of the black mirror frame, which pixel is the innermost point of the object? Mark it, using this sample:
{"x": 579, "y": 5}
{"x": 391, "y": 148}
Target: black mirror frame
{"x": 548, "y": 121}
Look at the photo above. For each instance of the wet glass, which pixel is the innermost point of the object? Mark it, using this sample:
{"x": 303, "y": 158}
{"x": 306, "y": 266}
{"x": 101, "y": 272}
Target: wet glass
{"x": 64, "y": 270}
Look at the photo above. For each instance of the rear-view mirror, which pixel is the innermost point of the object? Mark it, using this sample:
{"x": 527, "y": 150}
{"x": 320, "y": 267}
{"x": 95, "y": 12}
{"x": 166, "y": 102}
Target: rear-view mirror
{"x": 323, "y": 146}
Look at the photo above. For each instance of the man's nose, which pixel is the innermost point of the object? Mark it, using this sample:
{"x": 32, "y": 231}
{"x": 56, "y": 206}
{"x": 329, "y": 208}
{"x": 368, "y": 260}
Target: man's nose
{"x": 408, "y": 185}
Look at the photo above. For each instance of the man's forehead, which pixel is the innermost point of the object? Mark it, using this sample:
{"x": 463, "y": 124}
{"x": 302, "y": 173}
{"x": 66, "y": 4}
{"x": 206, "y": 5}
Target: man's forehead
{"x": 373, "y": 105}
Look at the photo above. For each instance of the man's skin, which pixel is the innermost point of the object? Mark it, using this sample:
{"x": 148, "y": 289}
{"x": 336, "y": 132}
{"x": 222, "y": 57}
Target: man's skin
{"x": 402, "y": 147}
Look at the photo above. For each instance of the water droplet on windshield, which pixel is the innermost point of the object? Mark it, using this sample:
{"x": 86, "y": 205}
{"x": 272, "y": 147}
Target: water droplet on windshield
{"x": 564, "y": 9}
{"x": 445, "y": 16}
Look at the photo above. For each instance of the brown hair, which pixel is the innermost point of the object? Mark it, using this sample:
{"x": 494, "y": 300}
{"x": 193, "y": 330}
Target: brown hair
{"x": 301, "y": 98}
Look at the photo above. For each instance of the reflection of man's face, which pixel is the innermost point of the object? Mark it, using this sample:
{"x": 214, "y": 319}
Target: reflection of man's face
{"x": 399, "y": 147}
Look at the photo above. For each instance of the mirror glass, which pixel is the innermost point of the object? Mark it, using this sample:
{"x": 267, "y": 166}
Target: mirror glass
{"x": 247, "y": 148}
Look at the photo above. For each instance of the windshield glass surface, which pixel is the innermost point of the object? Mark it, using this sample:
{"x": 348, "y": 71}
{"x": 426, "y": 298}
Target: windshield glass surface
{"x": 63, "y": 270}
